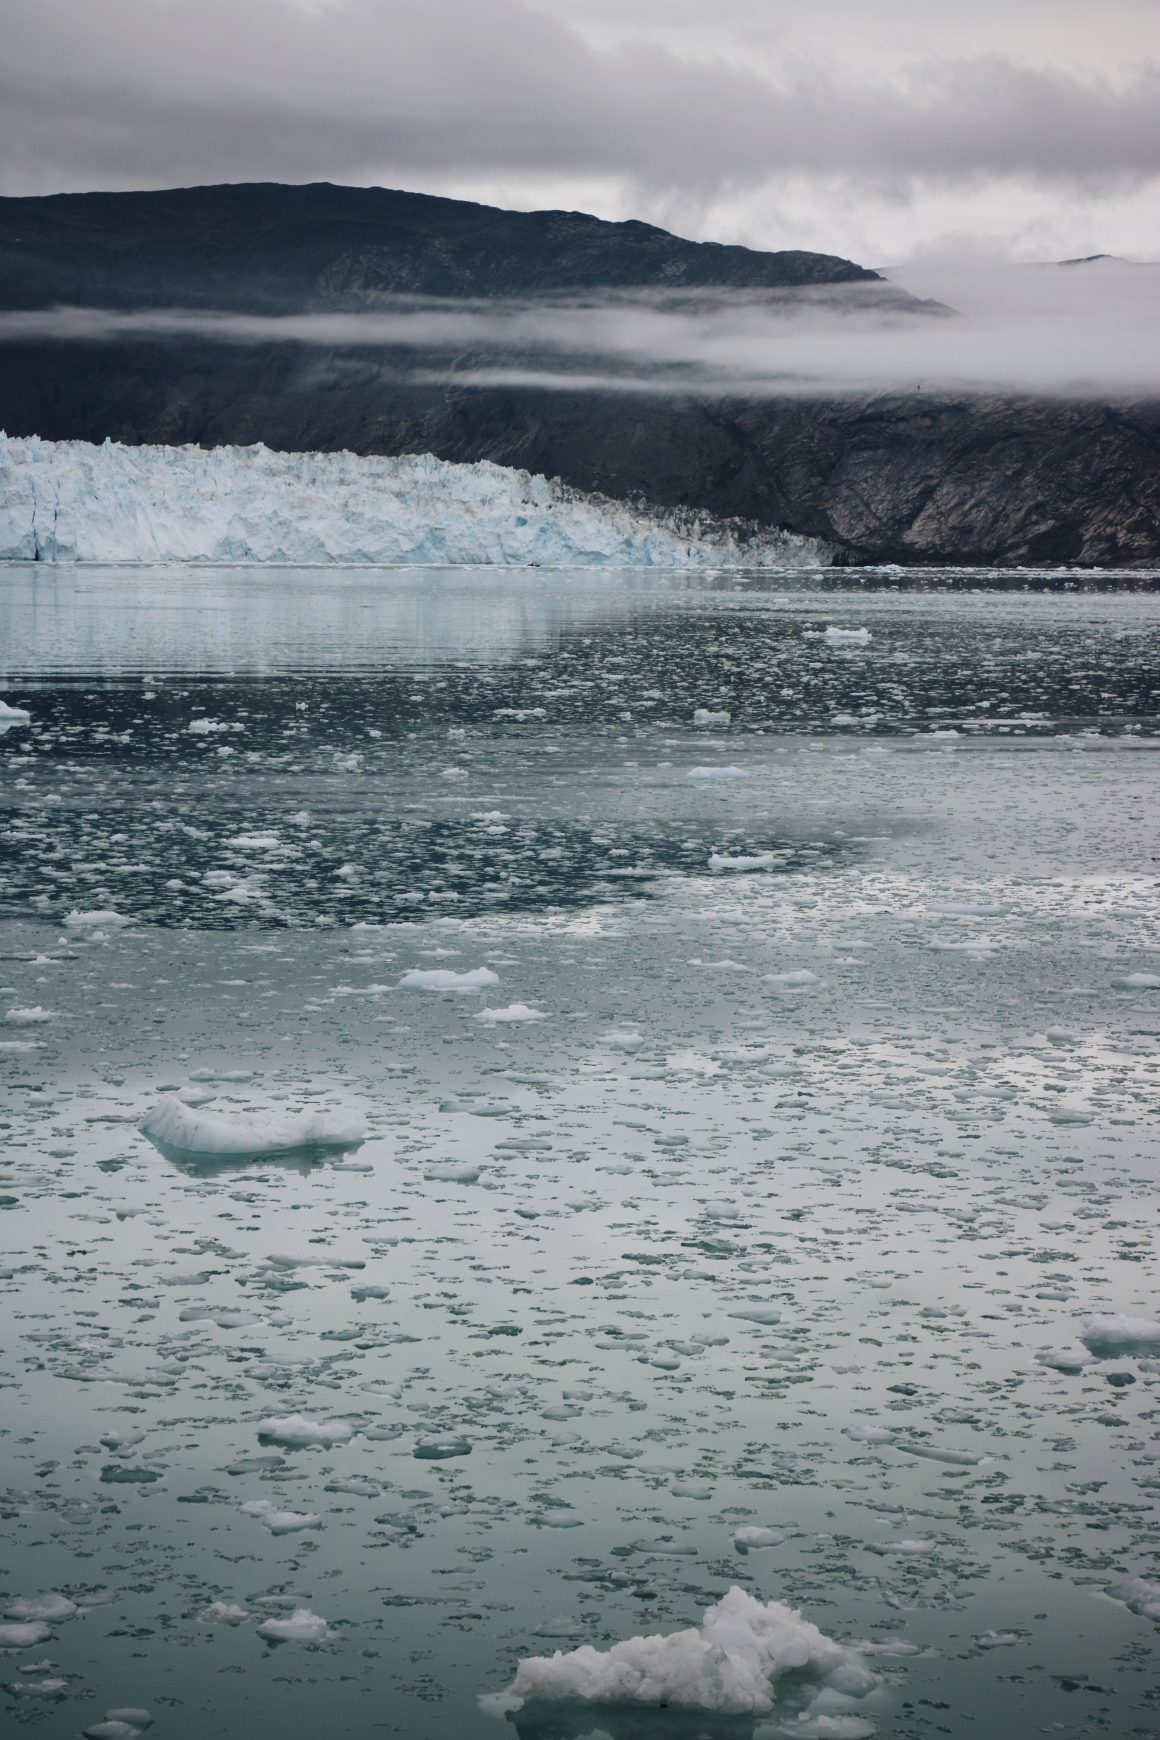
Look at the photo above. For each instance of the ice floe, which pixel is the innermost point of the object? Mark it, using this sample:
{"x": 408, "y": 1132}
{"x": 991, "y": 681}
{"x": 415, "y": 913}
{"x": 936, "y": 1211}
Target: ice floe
{"x": 179, "y": 1128}
{"x": 731, "y": 1663}
{"x": 1115, "y": 1334}
{"x": 302, "y": 1626}
{"x": 300, "y": 1432}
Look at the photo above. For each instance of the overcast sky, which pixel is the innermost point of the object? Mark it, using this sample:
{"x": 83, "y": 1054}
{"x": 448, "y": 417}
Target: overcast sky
{"x": 878, "y": 129}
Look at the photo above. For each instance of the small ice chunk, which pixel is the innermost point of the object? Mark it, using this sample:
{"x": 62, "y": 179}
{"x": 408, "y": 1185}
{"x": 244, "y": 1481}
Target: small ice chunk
{"x": 746, "y": 861}
{"x": 1065, "y": 1359}
{"x": 750, "y": 1538}
{"x": 867, "y": 1434}
{"x": 758, "y": 1314}
{"x": 1136, "y": 982}
{"x": 704, "y": 717}
{"x": 932, "y": 1453}
{"x": 298, "y": 1431}
{"x": 907, "y": 1549}
{"x": 452, "y": 1172}
{"x": 105, "y": 919}
{"x": 836, "y": 636}
{"x": 303, "y": 1626}
{"x": 801, "y": 977}
{"x": 223, "y": 1613}
{"x": 441, "y": 1447}
{"x": 29, "y": 1016}
{"x": 281, "y": 1522}
{"x": 10, "y": 716}
{"x": 443, "y": 979}
{"x": 716, "y": 775}
{"x": 513, "y": 1012}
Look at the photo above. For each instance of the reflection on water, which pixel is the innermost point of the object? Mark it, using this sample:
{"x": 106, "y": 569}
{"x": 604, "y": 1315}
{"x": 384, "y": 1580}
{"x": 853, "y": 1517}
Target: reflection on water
{"x": 545, "y": 1721}
{"x": 756, "y": 1035}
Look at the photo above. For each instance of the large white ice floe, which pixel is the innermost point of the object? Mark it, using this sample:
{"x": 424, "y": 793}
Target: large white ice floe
{"x": 11, "y": 716}
{"x": 730, "y": 1663}
{"x": 300, "y": 1432}
{"x": 190, "y": 1130}
{"x": 303, "y": 1626}
{"x": 444, "y": 979}
{"x": 1138, "y": 1595}
{"x": 71, "y": 501}
{"x": 1109, "y": 1336}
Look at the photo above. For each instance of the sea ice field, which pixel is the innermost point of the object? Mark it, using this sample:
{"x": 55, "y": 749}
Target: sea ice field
{"x": 579, "y": 1155}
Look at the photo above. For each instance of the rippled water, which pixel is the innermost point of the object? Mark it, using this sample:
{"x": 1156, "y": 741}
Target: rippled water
{"x": 838, "y": 1009}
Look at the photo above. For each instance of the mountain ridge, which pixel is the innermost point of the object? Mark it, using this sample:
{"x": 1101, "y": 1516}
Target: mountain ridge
{"x": 895, "y": 476}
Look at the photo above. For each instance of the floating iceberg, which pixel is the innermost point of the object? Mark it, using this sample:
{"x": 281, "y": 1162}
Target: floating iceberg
{"x": 443, "y": 979}
{"x": 71, "y": 501}
{"x": 303, "y": 1626}
{"x": 10, "y": 716}
{"x": 1138, "y": 1595}
{"x": 846, "y": 636}
{"x": 1116, "y": 1334}
{"x": 299, "y": 1432}
{"x": 730, "y": 1663}
{"x": 180, "y": 1129}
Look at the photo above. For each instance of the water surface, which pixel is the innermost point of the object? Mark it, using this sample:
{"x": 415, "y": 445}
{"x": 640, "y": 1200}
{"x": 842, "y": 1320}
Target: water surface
{"x": 934, "y": 1156}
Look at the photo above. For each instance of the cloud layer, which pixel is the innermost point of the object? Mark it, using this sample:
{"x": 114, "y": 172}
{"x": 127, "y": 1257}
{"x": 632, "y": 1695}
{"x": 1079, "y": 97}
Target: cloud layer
{"x": 1079, "y": 331}
{"x": 637, "y": 98}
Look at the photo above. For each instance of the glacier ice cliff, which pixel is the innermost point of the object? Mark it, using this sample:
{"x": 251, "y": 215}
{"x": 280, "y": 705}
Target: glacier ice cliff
{"x": 72, "y": 501}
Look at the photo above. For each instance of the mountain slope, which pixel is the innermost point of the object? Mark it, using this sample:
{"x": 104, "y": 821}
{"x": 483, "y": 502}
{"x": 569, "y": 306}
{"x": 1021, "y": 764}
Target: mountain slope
{"x": 262, "y": 247}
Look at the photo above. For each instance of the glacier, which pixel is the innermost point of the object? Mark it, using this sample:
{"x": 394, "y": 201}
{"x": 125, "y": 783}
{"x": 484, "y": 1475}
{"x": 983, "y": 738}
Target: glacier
{"x": 74, "y": 501}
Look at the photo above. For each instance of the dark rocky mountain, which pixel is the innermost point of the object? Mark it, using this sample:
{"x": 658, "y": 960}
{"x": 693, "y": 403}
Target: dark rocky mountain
{"x": 906, "y": 477}
{"x": 263, "y": 247}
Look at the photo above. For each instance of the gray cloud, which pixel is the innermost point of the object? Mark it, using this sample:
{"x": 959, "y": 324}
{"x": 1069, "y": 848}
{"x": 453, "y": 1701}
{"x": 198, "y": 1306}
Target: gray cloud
{"x": 1051, "y": 330}
{"x": 132, "y": 92}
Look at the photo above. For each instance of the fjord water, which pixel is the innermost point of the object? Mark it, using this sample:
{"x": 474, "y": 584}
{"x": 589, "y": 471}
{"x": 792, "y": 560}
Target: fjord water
{"x": 800, "y": 1115}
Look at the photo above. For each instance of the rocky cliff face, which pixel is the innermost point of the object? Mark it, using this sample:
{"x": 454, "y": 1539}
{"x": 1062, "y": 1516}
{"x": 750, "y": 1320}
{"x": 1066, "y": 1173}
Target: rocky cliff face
{"x": 894, "y": 477}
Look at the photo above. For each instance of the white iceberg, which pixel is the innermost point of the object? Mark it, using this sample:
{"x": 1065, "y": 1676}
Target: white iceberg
{"x": 513, "y": 1012}
{"x": 730, "y": 1663}
{"x": 836, "y": 636}
{"x": 52, "y": 1608}
{"x": 1115, "y": 1334}
{"x": 184, "y": 1129}
{"x": 716, "y": 775}
{"x": 24, "y": 1634}
{"x": 300, "y": 1432}
{"x": 1138, "y": 1595}
{"x": 443, "y": 979}
{"x": 223, "y": 1613}
{"x": 13, "y": 716}
{"x": 106, "y": 920}
{"x": 281, "y": 1522}
{"x": 303, "y": 1626}
{"x": 71, "y": 501}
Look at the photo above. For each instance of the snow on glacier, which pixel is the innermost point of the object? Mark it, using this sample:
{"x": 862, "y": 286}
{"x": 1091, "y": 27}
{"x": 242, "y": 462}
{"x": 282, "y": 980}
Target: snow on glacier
{"x": 72, "y": 501}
